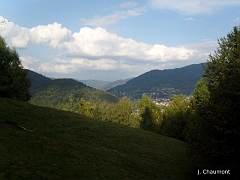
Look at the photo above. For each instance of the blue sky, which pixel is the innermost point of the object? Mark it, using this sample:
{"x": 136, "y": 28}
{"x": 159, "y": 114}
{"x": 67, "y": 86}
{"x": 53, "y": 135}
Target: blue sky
{"x": 111, "y": 40}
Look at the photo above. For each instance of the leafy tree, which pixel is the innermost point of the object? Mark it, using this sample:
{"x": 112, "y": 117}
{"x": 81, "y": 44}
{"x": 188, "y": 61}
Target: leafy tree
{"x": 175, "y": 117}
{"x": 104, "y": 111}
{"x": 147, "y": 122}
{"x": 13, "y": 81}
{"x": 122, "y": 111}
{"x": 146, "y": 106}
{"x": 217, "y": 144}
{"x": 135, "y": 120}
{"x": 200, "y": 95}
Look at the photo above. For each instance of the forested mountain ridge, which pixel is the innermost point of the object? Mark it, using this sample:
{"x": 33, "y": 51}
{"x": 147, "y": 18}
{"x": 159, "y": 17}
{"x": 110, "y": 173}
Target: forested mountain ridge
{"x": 98, "y": 84}
{"x": 115, "y": 83}
{"x": 38, "y": 82}
{"x": 47, "y": 92}
{"x": 161, "y": 83}
{"x": 104, "y": 85}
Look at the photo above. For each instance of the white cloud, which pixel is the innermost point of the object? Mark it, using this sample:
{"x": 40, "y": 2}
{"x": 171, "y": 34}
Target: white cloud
{"x": 56, "y": 66}
{"x": 52, "y": 35}
{"x": 193, "y": 7}
{"x": 101, "y": 64}
{"x": 30, "y": 62}
{"x": 133, "y": 11}
{"x": 98, "y": 43}
{"x": 19, "y": 37}
{"x": 15, "y": 35}
{"x": 95, "y": 49}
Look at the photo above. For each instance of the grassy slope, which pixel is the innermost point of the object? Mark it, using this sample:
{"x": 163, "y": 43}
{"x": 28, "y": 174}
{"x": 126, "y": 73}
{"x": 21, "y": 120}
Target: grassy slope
{"x": 71, "y": 146}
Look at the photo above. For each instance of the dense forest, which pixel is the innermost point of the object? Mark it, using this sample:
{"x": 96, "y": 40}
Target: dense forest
{"x": 161, "y": 83}
{"x": 47, "y": 92}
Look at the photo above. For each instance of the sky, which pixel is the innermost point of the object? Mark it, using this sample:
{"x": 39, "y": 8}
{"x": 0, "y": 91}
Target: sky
{"x": 114, "y": 39}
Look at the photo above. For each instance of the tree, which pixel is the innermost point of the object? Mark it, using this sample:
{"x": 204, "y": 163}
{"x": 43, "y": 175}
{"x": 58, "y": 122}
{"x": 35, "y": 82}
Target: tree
{"x": 147, "y": 122}
{"x": 175, "y": 117}
{"x": 200, "y": 95}
{"x": 150, "y": 114}
{"x": 219, "y": 137}
{"x": 13, "y": 81}
{"x": 104, "y": 111}
{"x": 198, "y": 104}
{"x": 122, "y": 111}
{"x": 195, "y": 128}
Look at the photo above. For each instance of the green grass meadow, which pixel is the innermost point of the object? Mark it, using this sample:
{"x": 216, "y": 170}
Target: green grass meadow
{"x": 71, "y": 146}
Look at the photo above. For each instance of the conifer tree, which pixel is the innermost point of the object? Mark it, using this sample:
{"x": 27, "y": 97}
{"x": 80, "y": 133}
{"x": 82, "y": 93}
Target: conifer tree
{"x": 216, "y": 146}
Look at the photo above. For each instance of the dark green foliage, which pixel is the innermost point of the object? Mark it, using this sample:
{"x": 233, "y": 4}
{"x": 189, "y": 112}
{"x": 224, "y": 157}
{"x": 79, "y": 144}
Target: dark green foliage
{"x": 196, "y": 129}
{"x": 13, "y": 81}
{"x": 53, "y": 93}
{"x": 217, "y": 142}
{"x": 38, "y": 82}
{"x": 179, "y": 80}
{"x": 147, "y": 121}
{"x": 150, "y": 114}
{"x": 200, "y": 96}
{"x": 175, "y": 117}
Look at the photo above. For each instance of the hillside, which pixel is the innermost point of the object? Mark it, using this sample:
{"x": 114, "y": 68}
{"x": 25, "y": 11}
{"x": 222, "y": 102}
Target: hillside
{"x": 161, "y": 83}
{"x": 38, "y": 82}
{"x": 95, "y": 83}
{"x": 104, "y": 85}
{"x": 65, "y": 145}
{"x": 115, "y": 83}
{"x": 51, "y": 93}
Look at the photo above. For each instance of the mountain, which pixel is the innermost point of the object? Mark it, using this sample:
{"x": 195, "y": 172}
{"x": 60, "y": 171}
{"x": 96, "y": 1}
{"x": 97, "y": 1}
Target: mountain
{"x": 104, "y": 85}
{"x": 161, "y": 83}
{"x": 38, "y": 82}
{"x": 95, "y": 83}
{"x": 52, "y": 92}
{"x": 115, "y": 83}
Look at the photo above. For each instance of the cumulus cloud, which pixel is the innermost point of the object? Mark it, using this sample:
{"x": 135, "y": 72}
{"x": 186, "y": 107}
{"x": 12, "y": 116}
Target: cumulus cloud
{"x": 98, "y": 43}
{"x": 30, "y": 62}
{"x": 52, "y": 35}
{"x": 57, "y": 65}
{"x": 193, "y": 7}
{"x": 97, "y": 50}
{"x": 133, "y": 10}
{"x": 15, "y": 35}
